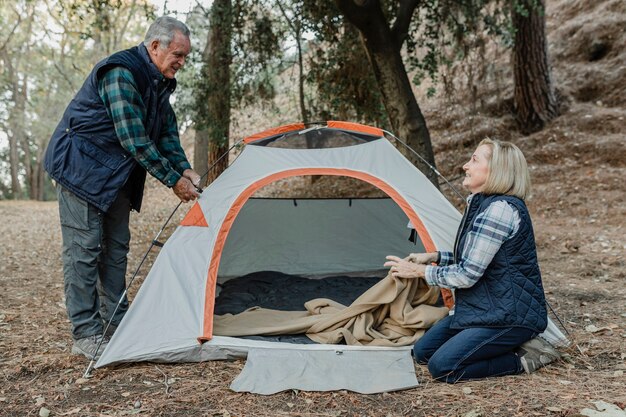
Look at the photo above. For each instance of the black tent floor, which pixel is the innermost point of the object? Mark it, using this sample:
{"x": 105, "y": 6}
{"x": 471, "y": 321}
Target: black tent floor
{"x": 278, "y": 291}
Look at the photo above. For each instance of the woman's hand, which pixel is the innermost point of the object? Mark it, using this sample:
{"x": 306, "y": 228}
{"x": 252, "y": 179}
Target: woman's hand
{"x": 423, "y": 258}
{"x": 402, "y": 268}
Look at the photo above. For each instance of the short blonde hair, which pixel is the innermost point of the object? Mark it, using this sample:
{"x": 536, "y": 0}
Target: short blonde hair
{"x": 508, "y": 170}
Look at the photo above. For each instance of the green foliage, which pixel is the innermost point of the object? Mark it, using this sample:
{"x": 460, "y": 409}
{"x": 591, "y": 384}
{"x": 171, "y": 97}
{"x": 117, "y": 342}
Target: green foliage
{"x": 50, "y": 47}
{"x": 345, "y": 86}
{"x": 338, "y": 68}
{"x": 256, "y": 58}
{"x": 258, "y": 33}
{"x": 446, "y": 31}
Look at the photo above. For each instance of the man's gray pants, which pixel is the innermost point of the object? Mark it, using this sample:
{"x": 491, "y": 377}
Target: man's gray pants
{"x": 95, "y": 245}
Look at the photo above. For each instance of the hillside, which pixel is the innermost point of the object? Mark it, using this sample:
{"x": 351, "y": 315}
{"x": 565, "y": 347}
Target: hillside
{"x": 578, "y": 167}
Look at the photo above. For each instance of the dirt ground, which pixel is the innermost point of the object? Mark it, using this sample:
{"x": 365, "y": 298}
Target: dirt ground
{"x": 578, "y": 168}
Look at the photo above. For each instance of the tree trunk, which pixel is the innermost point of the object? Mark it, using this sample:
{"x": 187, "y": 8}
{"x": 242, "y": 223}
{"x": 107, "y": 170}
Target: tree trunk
{"x": 20, "y": 107}
{"x": 303, "y": 110}
{"x": 16, "y": 187}
{"x": 16, "y": 128}
{"x": 383, "y": 45}
{"x": 535, "y": 102}
{"x": 37, "y": 182}
{"x": 213, "y": 94}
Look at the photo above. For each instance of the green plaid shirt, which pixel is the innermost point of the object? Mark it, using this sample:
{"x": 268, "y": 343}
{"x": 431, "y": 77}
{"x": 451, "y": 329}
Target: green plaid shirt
{"x": 165, "y": 160}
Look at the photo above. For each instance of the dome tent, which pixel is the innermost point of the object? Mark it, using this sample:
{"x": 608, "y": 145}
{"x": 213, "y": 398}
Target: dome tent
{"x": 226, "y": 233}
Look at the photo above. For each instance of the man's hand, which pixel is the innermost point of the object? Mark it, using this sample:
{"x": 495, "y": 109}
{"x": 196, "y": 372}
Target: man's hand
{"x": 192, "y": 176}
{"x": 404, "y": 269}
{"x": 422, "y": 258}
{"x": 185, "y": 190}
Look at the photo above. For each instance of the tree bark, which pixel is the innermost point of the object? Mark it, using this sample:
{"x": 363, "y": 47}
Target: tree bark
{"x": 383, "y": 44}
{"x": 535, "y": 101}
{"x": 16, "y": 114}
{"x": 295, "y": 24}
{"x": 213, "y": 94}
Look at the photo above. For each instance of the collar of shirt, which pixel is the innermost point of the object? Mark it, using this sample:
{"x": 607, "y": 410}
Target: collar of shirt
{"x": 158, "y": 79}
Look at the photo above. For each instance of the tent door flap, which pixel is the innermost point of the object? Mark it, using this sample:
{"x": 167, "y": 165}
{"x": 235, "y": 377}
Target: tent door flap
{"x": 367, "y": 371}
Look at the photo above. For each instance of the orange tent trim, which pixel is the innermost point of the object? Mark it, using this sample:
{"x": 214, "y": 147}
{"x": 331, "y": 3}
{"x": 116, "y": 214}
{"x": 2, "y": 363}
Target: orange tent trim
{"x": 195, "y": 217}
{"x": 274, "y": 131}
{"x": 355, "y": 127}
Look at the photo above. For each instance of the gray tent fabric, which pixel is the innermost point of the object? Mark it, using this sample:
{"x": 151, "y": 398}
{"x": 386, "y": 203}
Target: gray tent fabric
{"x": 366, "y": 371}
{"x": 309, "y": 236}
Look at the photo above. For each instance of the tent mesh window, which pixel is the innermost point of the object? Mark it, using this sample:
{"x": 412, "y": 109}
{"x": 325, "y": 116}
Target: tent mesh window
{"x": 315, "y": 138}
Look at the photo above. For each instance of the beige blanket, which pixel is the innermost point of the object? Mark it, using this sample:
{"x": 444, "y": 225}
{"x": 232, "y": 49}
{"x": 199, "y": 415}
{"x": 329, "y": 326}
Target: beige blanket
{"x": 394, "y": 312}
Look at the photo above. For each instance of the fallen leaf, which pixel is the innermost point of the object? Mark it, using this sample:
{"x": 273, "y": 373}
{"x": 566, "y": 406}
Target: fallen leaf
{"x": 604, "y": 410}
{"x": 72, "y": 411}
{"x": 593, "y": 329}
{"x": 554, "y": 409}
{"x": 467, "y": 390}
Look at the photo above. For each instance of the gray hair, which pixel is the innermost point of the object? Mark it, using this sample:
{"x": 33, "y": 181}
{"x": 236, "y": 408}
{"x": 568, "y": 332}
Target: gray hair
{"x": 163, "y": 30}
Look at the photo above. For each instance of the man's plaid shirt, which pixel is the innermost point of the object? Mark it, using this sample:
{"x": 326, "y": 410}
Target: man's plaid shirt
{"x": 165, "y": 159}
{"x": 498, "y": 223}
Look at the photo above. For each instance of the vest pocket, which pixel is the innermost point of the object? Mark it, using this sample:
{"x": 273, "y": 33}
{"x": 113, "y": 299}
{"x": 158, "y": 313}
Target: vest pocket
{"x": 91, "y": 166}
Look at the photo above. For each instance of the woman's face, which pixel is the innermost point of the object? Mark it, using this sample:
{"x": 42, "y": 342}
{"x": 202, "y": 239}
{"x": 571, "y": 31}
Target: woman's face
{"x": 477, "y": 169}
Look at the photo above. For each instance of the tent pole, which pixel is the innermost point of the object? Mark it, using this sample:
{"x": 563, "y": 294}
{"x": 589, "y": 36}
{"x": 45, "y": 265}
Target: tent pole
{"x": 155, "y": 242}
{"x": 218, "y": 160}
{"x": 427, "y": 163}
{"x": 558, "y": 318}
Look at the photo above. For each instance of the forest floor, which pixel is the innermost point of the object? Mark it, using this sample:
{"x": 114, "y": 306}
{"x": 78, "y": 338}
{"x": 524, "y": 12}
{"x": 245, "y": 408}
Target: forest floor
{"x": 578, "y": 168}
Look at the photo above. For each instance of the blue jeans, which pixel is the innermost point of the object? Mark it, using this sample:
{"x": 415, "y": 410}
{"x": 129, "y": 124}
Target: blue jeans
{"x": 95, "y": 245}
{"x": 456, "y": 355}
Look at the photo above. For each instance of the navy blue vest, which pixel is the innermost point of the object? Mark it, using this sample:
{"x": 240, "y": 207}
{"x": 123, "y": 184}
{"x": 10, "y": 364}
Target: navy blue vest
{"x": 510, "y": 293}
{"x": 85, "y": 155}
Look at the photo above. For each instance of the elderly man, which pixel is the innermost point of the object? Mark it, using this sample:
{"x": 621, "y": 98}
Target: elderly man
{"x": 118, "y": 126}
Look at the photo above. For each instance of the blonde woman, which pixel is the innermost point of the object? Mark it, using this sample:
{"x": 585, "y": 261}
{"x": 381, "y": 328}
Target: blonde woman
{"x": 499, "y": 298}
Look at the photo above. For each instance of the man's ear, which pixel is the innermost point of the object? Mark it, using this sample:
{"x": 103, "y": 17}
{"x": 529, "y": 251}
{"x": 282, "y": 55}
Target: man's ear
{"x": 154, "y": 45}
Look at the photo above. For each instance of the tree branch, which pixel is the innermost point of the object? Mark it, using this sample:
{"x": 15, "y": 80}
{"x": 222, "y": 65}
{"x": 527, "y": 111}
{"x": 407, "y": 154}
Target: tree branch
{"x": 359, "y": 12}
{"x": 6, "y": 42}
{"x": 289, "y": 22}
{"x": 65, "y": 77}
{"x": 204, "y": 11}
{"x": 400, "y": 29}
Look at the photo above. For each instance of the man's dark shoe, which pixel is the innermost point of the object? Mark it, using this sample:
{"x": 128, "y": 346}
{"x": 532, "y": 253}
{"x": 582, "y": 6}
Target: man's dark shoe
{"x": 536, "y": 353}
{"x": 87, "y": 346}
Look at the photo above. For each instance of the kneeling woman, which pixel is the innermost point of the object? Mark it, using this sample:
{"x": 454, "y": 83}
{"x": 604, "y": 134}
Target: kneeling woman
{"x": 499, "y": 298}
